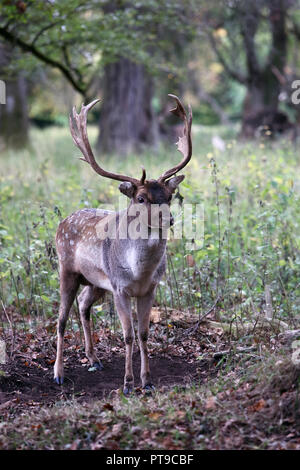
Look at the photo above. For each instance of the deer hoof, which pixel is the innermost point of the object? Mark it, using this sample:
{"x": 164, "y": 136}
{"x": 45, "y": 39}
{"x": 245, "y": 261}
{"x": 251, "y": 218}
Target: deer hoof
{"x": 98, "y": 365}
{"x": 59, "y": 380}
{"x": 149, "y": 388}
{"x": 127, "y": 390}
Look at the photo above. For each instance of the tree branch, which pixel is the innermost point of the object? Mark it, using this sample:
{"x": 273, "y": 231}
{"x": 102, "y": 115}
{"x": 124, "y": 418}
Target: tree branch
{"x": 68, "y": 63}
{"x": 49, "y": 26}
{"x": 296, "y": 30}
{"x": 77, "y": 85}
{"x": 249, "y": 23}
{"x": 277, "y": 19}
{"x": 236, "y": 75}
{"x": 195, "y": 327}
{"x": 207, "y": 98}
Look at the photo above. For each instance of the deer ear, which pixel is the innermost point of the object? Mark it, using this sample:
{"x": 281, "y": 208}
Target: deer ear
{"x": 127, "y": 188}
{"x": 174, "y": 182}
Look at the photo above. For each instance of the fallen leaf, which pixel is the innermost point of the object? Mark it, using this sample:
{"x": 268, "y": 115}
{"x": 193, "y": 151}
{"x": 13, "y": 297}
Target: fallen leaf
{"x": 116, "y": 429}
{"x": 210, "y": 403}
{"x": 155, "y": 415}
{"x": 180, "y": 414}
{"x": 101, "y": 426}
{"x": 6, "y": 404}
{"x": 155, "y": 315}
{"x": 35, "y": 427}
{"x": 257, "y": 406}
{"x": 108, "y": 406}
{"x": 169, "y": 444}
{"x": 111, "y": 445}
{"x": 75, "y": 444}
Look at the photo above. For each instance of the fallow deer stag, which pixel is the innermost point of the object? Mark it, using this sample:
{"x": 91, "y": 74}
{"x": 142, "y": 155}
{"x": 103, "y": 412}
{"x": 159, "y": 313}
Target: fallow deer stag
{"x": 128, "y": 266}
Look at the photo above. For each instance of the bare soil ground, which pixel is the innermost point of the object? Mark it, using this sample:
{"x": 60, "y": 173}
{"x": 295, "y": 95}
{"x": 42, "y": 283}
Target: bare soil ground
{"x": 31, "y": 385}
{"x": 212, "y": 393}
{"x": 27, "y": 377}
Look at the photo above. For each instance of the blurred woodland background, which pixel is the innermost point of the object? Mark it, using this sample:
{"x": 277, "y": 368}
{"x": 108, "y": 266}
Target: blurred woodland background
{"x": 234, "y": 61}
{"x": 225, "y": 324}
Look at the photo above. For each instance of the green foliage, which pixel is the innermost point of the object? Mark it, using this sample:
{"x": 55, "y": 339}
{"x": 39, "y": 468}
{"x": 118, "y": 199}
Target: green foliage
{"x": 250, "y": 195}
{"x": 79, "y": 37}
{"x": 205, "y": 115}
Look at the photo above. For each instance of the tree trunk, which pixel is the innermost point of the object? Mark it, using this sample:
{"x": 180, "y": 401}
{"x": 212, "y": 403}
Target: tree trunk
{"x": 14, "y": 113}
{"x": 263, "y": 87}
{"x": 127, "y": 121}
{"x": 261, "y": 104}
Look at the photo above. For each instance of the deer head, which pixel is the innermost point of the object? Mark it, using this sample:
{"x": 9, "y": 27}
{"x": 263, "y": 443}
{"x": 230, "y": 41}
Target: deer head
{"x": 142, "y": 192}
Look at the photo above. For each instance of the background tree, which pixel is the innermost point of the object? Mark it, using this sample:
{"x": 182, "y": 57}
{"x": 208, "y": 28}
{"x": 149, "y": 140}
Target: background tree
{"x": 120, "y": 41}
{"x": 250, "y": 40}
{"x": 127, "y": 121}
{"x": 13, "y": 114}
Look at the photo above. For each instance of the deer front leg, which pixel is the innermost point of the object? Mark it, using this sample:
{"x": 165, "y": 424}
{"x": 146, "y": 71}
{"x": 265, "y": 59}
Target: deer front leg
{"x": 123, "y": 305}
{"x": 68, "y": 287}
{"x": 144, "y": 305}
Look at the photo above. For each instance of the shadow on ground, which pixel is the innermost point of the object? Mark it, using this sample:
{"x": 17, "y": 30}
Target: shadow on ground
{"x": 31, "y": 385}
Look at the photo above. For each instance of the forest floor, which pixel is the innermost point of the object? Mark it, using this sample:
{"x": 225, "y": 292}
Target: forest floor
{"x": 210, "y": 392}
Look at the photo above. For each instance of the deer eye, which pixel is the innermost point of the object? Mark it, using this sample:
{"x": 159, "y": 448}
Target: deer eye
{"x": 141, "y": 199}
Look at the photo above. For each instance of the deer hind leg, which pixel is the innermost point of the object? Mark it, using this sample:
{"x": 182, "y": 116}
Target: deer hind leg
{"x": 123, "y": 305}
{"x": 88, "y": 296}
{"x": 69, "y": 284}
{"x": 144, "y": 305}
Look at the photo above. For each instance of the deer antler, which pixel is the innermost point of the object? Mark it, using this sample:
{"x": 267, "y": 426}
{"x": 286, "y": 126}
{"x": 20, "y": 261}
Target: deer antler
{"x": 80, "y": 139}
{"x": 184, "y": 143}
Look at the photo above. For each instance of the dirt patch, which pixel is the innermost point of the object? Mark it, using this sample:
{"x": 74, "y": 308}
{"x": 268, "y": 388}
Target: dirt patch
{"x": 32, "y": 385}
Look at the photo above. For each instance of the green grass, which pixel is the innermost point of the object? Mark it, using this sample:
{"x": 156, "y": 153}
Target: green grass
{"x": 250, "y": 195}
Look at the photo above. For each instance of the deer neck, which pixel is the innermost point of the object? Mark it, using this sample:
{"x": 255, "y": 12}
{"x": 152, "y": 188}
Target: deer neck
{"x": 141, "y": 255}
{"x": 144, "y": 235}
